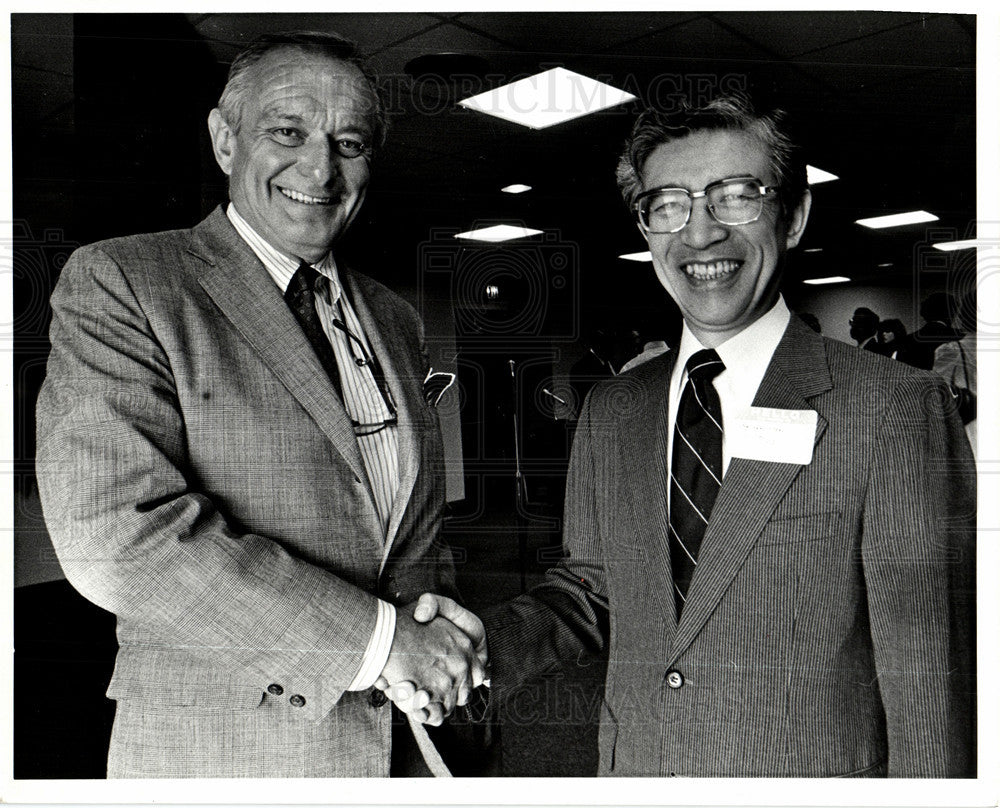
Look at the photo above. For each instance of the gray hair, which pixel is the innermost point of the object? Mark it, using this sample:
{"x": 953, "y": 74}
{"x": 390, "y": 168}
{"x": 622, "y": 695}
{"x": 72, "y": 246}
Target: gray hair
{"x": 733, "y": 113}
{"x": 330, "y": 45}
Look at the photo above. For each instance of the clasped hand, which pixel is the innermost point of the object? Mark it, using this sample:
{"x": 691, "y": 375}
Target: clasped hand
{"x": 438, "y": 658}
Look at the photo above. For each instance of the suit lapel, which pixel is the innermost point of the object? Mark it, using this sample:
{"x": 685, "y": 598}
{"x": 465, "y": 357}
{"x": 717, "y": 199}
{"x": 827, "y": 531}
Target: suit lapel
{"x": 384, "y": 334}
{"x": 645, "y": 471}
{"x": 241, "y": 288}
{"x": 752, "y": 489}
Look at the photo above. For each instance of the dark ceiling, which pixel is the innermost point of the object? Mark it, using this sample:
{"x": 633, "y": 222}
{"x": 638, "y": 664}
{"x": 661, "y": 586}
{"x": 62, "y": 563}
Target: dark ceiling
{"x": 885, "y": 100}
{"x": 109, "y": 138}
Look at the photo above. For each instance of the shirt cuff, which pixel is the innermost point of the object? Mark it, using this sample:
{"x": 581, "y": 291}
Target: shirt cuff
{"x": 377, "y": 652}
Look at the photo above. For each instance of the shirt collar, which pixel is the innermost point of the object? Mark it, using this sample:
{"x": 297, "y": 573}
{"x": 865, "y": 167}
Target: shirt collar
{"x": 747, "y": 354}
{"x": 279, "y": 266}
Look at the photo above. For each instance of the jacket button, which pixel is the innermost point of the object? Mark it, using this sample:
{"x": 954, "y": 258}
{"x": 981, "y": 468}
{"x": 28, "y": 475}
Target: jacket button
{"x": 674, "y": 680}
{"x": 297, "y": 701}
{"x": 275, "y": 690}
{"x": 376, "y": 698}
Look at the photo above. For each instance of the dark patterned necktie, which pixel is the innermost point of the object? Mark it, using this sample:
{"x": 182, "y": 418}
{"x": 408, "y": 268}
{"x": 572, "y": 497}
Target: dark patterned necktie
{"x": 301, "y": 299}
{"x": 696, "y": 467}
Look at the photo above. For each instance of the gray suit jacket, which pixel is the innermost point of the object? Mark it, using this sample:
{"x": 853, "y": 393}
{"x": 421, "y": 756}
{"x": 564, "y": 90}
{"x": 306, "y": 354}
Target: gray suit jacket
{"x": 828, "y": 627}
{"x": 200, "y": 479}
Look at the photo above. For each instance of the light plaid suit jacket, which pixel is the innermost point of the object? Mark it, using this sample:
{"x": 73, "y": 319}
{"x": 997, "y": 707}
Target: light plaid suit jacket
{"x": 201, "y": 479}
{"x": 829, "y": 624}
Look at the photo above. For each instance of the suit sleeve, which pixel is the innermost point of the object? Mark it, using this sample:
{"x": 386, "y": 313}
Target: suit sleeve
{"x": 568, "y": 612}
{"x": 134, "y": 533}
{"x": 919, "y": 558}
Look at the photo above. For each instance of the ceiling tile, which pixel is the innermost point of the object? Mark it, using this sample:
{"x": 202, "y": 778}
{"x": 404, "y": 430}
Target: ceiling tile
{"x": 572, "y": 32}
{"x": 697, "y": 39}
{"x": 370, "y": 31}
{"x": 42, "y": 41}
{"x": 931, "y": 40}
{"x": 444, "y": 38}
{"x": 791, "y": 33}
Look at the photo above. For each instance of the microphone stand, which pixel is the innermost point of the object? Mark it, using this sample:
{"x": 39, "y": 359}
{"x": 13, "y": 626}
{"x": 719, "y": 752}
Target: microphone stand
{"x": 520, "y": 490}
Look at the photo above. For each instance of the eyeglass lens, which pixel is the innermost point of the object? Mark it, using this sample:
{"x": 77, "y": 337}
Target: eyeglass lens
{"x": 732, "y": 203}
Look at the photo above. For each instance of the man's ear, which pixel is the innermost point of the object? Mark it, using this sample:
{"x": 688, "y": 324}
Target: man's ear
{"x": 797, "y": 225}
{"x": 223, "y": 140}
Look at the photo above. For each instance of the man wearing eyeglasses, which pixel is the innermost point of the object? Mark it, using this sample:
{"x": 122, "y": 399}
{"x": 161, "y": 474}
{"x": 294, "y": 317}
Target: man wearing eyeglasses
{"x": 773, "y": 539}
{"x": 237, "y": 459}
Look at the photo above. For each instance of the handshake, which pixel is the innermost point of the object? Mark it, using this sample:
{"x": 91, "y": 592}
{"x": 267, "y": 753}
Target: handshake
{"x": 438, "y": 657}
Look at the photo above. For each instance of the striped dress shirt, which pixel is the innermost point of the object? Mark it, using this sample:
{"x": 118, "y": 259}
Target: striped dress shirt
{"x": 362, "y": 400}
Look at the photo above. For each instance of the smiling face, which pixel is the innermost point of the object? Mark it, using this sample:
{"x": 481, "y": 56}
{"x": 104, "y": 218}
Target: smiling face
{"x": 722, "y": 277}
{"x": 286, "y": 177}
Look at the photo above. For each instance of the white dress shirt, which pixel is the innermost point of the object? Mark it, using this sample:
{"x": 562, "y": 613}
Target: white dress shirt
{"x": 363, "y": 402}
{"x": 746, "y": 357}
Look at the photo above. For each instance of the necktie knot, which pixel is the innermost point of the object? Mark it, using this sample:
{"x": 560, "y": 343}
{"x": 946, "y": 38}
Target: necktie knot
{"x": 704, "y": 365}
{"x": 302, "y": 282}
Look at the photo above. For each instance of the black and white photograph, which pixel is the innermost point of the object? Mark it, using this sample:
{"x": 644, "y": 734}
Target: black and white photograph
{"x": 502, "y": 396}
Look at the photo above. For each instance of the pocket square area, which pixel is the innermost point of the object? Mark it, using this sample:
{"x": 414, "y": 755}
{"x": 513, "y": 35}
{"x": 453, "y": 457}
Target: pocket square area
{"x": 435, "y": 386}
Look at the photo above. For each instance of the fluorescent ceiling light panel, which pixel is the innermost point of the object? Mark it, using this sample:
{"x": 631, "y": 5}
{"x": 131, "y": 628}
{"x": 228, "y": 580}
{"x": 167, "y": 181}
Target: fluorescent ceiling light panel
{"x": 814, "y": 176}
{"x": 834, "y": 279}
{"x": 516, "y": 188}
{"x": 640, "y": 256}
{"x": 545, "y": 99}
{"x": 887, "y": 264}
{"x": 814, "y": 250}
{"x": 897, "y": 219}
{"x": 498, "y": 232}
{"x": 964, "y": 244}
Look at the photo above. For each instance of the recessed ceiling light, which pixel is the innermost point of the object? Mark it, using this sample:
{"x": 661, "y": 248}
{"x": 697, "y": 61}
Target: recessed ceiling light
{"x": 516, "y": 188}
{"x": 547, "y": 98}
{"x": 834, "y": 279}
{"x": 814, "y": 250}
{"x": 814, "y": 176}
{"x": 639, "y": 256}
{"x": 498, "y": 232}
{"x": 898, "y": 219}
{"x": 964, "y": 244}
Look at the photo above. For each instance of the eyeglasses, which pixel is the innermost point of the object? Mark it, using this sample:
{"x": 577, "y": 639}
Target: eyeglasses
{"x": 730, "y": 202}
{"x": 362, "y": 359}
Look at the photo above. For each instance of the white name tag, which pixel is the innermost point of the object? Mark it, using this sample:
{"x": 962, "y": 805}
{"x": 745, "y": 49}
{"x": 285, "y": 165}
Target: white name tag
{"x": 775, "y": 436}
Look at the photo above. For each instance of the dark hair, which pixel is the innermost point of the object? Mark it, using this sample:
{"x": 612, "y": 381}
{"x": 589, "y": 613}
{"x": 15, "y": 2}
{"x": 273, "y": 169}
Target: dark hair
{"x": 893, "y": 325}
{"x": 728, "y": 113}
{"x": 330, "y": 45}
{"x": 866, "y": 313}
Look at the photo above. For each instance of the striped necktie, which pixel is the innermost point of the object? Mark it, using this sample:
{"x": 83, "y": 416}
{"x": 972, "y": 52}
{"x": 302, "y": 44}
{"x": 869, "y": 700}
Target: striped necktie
{"x": 696, "y": 467}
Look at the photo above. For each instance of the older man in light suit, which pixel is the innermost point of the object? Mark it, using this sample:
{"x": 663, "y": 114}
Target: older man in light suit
{"x": 770, "y": 532}
{"x": 237, "y": 459}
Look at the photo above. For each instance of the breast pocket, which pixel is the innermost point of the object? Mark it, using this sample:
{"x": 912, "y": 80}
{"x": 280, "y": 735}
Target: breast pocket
{"x": 813, "y": 527}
